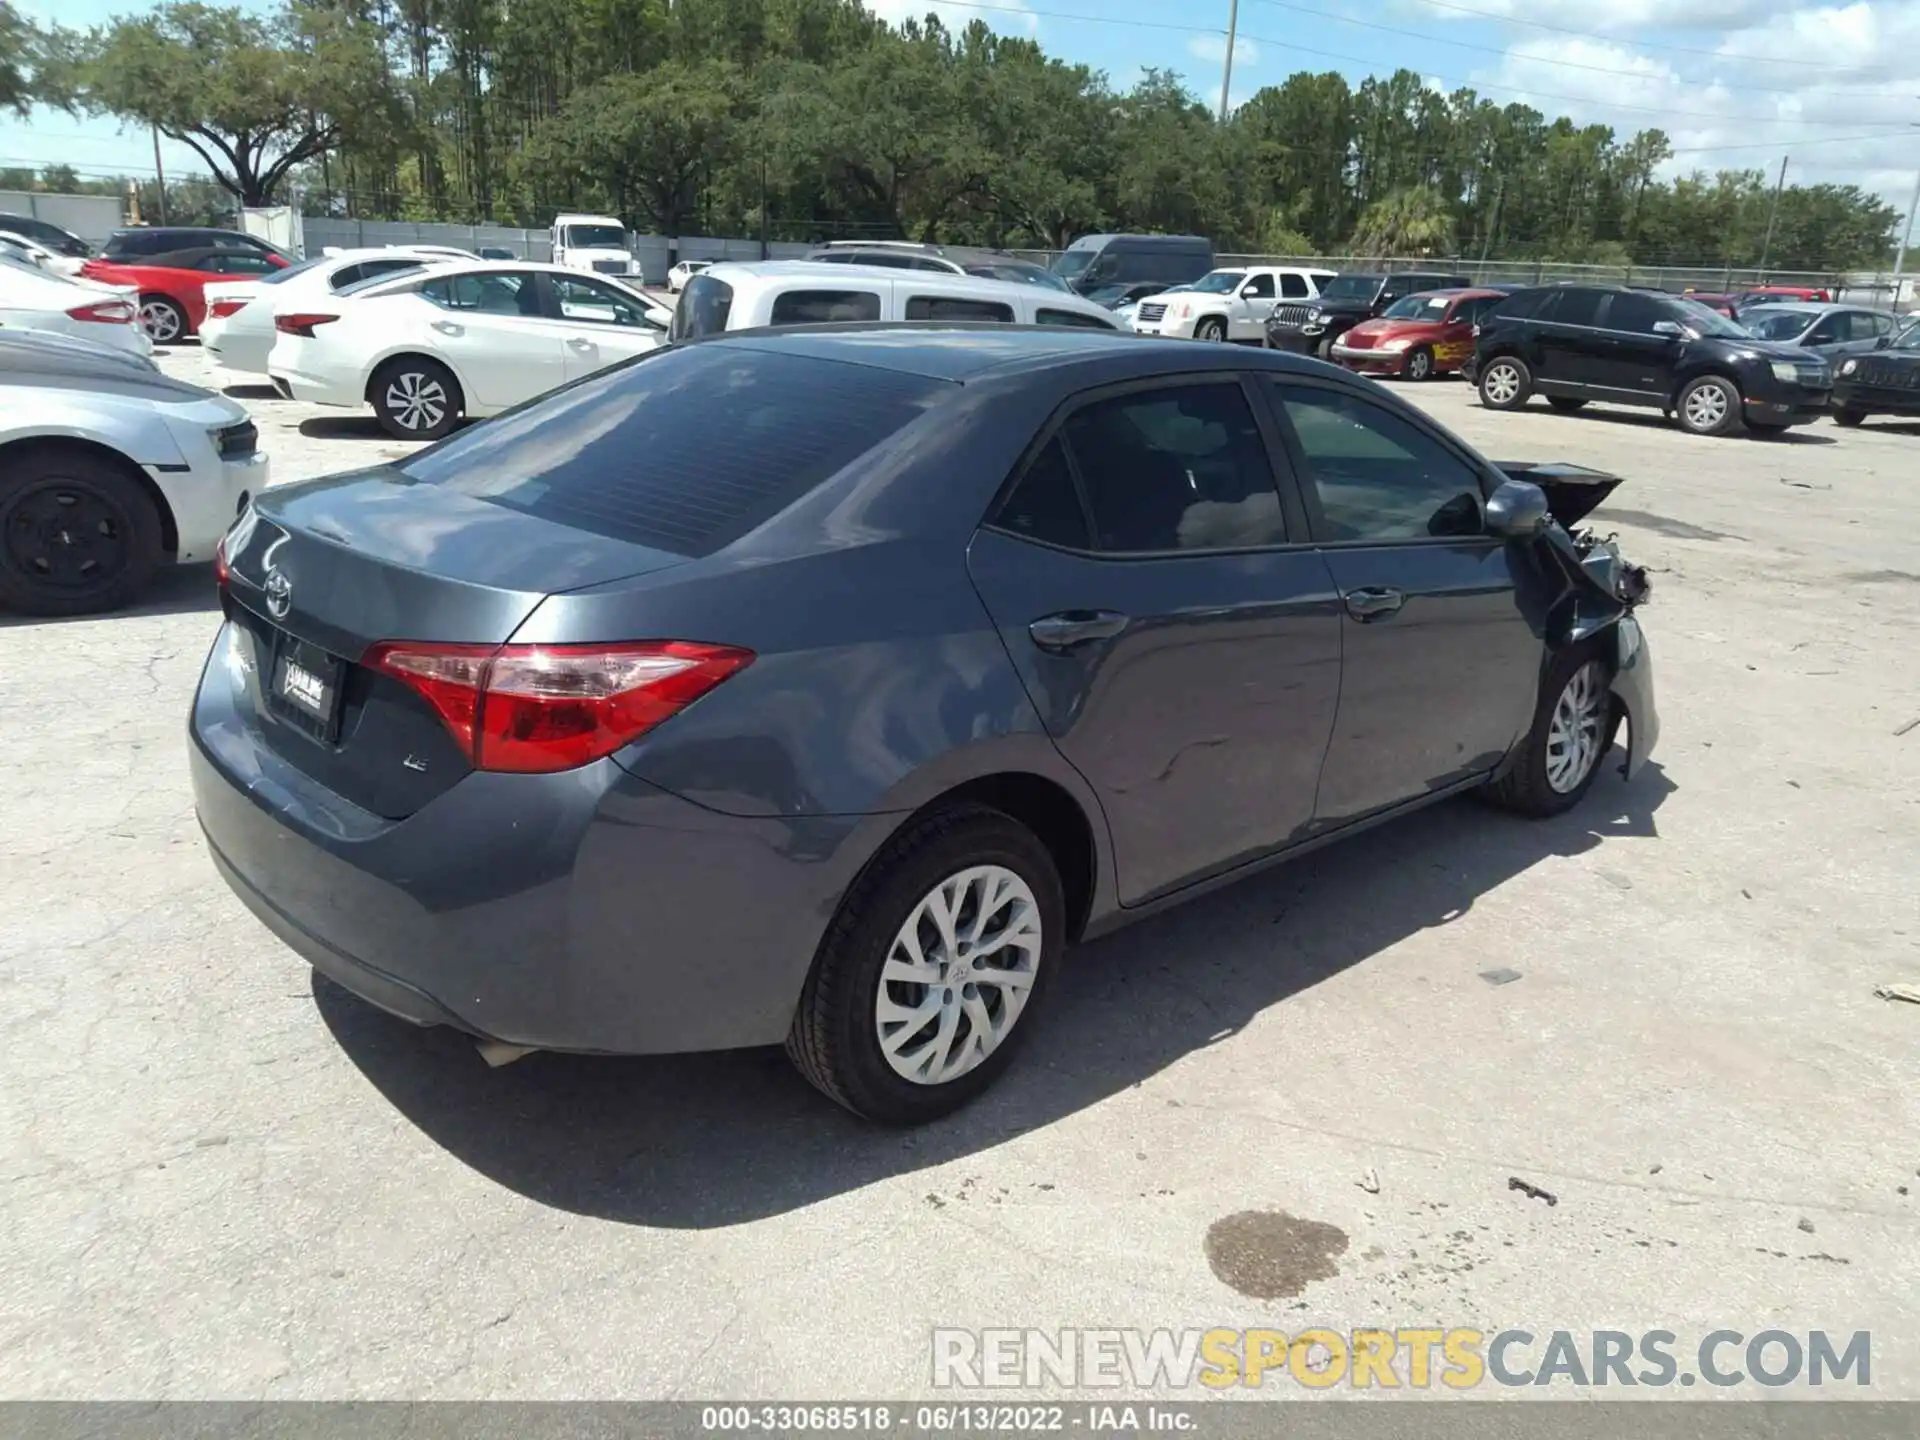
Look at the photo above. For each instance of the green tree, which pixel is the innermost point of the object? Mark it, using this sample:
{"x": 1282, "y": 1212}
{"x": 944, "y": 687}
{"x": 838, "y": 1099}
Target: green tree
{"x": 20, "y": 42}
{"x": 1413, "y": 221}
{"x": 254, "y": 96}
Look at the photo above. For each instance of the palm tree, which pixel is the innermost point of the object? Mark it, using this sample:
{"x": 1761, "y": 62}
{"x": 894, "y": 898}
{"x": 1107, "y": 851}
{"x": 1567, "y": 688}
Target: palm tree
{"x": 1416, "y": 220}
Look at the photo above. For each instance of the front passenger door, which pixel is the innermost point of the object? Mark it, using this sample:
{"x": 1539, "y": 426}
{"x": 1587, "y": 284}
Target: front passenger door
{"x": 492, "y": 327}
{"x": 604, "y": 325}
{"x": 1439, "y": 667}
{"x": 1247, "y": 315}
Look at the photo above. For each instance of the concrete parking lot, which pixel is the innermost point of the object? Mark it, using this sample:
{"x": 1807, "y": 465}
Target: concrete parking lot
{"x": 221, "y": 1178}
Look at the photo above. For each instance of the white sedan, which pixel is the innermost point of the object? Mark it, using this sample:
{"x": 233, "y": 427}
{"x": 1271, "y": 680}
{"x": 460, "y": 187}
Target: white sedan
{"x": 238, "y": 333}
{"x": 678, "y": 276}
{"x": 36, "y": 299}
{"x": 459, "y": 340}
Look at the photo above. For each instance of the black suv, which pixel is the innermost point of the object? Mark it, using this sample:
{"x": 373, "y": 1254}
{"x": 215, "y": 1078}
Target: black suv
{"x": 1311, "y": 326}
{"x": 139, "y": 243}
{"x": 1576, "y": 343}
{"x": 1881, "y": 378}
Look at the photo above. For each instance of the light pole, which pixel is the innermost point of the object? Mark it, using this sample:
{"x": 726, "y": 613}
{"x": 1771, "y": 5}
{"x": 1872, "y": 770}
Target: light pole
{"x": 1226, "y": 73}
{"x": 1906, "y": 236}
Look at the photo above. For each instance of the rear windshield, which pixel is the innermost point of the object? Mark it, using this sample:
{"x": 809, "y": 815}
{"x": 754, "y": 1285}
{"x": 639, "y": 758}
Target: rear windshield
{"x": 367, "y": 282}
{"x": 685, "y": 449}
{"x": 280, "y": 277}
{"x": 705, "y": 303}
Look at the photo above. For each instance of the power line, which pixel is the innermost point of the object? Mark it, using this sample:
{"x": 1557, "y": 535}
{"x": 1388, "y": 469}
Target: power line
{"x": 1499, "y": 50}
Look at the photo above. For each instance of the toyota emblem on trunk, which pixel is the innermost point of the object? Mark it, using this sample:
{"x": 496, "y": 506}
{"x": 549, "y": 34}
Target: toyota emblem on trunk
{"x": 279, "y": 591}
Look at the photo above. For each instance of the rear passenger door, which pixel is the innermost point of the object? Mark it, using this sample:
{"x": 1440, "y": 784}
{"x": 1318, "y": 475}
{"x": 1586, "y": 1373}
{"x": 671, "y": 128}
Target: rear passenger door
{"x": 1568, "y": 352}
{"x": 1440, "y": 666}
{"x": 1179, "y": 637}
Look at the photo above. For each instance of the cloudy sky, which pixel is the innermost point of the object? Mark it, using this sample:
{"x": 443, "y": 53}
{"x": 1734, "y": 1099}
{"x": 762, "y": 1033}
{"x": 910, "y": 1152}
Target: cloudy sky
{"x": 1737, "y": 83}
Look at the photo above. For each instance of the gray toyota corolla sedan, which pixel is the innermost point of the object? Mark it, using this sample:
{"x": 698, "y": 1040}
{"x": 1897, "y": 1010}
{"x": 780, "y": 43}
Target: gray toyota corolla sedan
{"x": 823, "y": 685}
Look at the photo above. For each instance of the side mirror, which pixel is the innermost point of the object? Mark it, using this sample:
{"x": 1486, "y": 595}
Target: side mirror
{"x": 1672, "y": 329}
{"x": 1517, "y": 510}
{"x": 1884, "y": 342}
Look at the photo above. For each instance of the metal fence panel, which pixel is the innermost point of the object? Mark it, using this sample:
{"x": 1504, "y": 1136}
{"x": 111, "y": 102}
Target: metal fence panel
{"x": 91, "y": 217}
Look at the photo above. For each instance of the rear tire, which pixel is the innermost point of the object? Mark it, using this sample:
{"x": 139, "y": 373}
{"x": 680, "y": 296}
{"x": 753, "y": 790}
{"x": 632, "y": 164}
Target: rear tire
{"x": 1324, "y": 350}
{"x": 78, "y": 534}
{"x": 1566, "y": 404}
{"x": 1505, "y": 383}
{"x": 416, "y": 398}
{"x": 164, "y": 322}
{"x": 860, "y": 981}
{"x": 1848, "y": 416}
{"x": 1419, "y": 364}
{"x": 1710, "y": 406}
{"x": 1572, "y": 731}
{"x": 1211, "y": 329}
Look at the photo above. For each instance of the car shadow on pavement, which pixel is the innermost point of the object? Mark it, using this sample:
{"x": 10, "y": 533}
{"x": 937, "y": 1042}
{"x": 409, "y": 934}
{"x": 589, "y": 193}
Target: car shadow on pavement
{"x": 343, "y": 427}
{"x": 699, "y": 1141}
{"x": 1654, "y": 420}
{"x": 250, "y": 392}
{"x": 176, "y": 590}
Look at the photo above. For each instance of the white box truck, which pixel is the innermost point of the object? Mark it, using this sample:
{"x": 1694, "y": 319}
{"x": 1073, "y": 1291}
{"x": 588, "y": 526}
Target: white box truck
{"x": 593, "y": 242}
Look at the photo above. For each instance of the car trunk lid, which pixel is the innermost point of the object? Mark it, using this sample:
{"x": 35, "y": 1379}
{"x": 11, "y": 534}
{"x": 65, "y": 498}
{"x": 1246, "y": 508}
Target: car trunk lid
{"x": 319, "y": 574}
{"x": 1573, "y": 491}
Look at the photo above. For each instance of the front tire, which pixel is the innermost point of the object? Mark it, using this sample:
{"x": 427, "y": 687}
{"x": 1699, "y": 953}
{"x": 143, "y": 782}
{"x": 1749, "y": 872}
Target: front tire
{"x": 1419, "y": 365}
{"x": 78, "y": 534}
{"x": 1211, "y": 329}
{"x": 416, "y": 398}
{"x": 1710, "y": 406}
{"x": 1848, "y": 416}
{"x": 1505, "y": 383}
{"x": 1573, "y": 728}
{"x": 927, "y": 981}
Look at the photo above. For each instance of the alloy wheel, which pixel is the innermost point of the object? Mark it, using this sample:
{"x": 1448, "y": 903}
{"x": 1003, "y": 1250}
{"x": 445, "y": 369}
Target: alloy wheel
{"x": 1706, "y": 407}
{"x": 958, "y": 974}
{"x": 161, "y": 321}
{"x": 1578, "y": 725}
{"x": 416, "y": 400}
{"x": 1419, "y": 365}
{"x": 1501, "y": 383}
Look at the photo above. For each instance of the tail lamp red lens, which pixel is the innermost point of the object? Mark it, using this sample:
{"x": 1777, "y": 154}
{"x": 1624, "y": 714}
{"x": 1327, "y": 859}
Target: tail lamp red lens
{"x": 302, "y": 325}
{"x": 222, "y": 569}
{"x": 103, "y": 312}
{"x": 534, "y": 709}
{"x": 221, "y": 309}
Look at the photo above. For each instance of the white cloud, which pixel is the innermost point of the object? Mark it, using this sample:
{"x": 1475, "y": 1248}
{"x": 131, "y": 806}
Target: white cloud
{"x": 1213, "y": 48}
{"x": 956, "y": 17}
{"x": 1618, "y": 17}
{"x": 1734, "y": 110}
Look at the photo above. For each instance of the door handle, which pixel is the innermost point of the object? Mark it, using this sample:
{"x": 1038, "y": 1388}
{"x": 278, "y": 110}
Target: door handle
{"x": 1076, "y": 627}
{"x": 447, "y": 327}
{"x": 1374, "y": 603}
{"x": 579, "y": 343}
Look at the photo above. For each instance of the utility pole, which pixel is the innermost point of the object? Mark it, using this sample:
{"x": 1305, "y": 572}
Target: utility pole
{"x": 1906, "y": 239}
{"x": 1493, "y": 219}
{"x": 1766, "y": 246}
{"x": 1226, "y": 73}
{"x": 158, "y": 173}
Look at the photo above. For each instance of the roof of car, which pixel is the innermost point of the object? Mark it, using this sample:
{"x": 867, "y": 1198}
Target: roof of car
{"x": 946, "y": 350}
{"x": 736, "y": 271}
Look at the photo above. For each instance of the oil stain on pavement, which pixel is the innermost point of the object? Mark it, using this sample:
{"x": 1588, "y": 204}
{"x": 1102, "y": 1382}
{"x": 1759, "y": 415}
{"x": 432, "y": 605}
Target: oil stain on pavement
{"x": 1271, "y": 1255}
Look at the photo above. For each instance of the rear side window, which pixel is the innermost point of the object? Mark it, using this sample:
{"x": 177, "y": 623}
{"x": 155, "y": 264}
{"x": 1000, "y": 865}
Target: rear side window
{"x": 705, "y": 304}
{"x": 1572, "y": 306}
{"x": 949, "y": 307}
{"x": 1045, "y": 316}
{"x": 684, "y": 450}
{"x": 368, "y": 270}
{"x": 1518, "y": 306}
{"x": 1293, "y": 287}
{"x": 500, "y": 293}
{"x": 824, "y": 307}
{"x": 367, "y": 282}
{"x": 280, "y": 277}
{"x": 1183, "y": 468}
{"x": 1045, "y": 505}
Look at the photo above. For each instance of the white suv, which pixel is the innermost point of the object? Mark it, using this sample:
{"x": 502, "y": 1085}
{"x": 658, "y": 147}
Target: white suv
{"x": 810, "y": 292}
{"x": 1229, "y": 304}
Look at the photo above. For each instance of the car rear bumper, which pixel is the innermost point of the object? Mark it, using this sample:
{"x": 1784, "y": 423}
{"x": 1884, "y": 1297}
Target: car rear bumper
{"x": 585, "y": 911}
{"x": 319, "y": 389}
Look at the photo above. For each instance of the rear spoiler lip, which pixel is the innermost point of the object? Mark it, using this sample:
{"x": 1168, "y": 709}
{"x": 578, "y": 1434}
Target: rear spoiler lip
{"x": 1573, "y": 491}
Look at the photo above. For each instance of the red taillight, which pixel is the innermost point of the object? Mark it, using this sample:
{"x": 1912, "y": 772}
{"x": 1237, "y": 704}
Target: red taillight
{"x": 104, "y": 312}
{"x": 301, "y": 324}
{"x": 221, "y": 309}
{"x": 222, "y": 571}
{"x": 539, "y": 708}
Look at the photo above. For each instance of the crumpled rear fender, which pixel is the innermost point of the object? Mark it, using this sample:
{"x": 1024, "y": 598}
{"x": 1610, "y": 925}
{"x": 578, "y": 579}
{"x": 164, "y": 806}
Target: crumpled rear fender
{"x": 1633, "y": 688}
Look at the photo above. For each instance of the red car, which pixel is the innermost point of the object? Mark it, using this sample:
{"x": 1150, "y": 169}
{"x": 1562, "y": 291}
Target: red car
{"x": 1761, "y": 294}
{"x": 172, "y": 285}
{"x": 1418, "y": 337}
